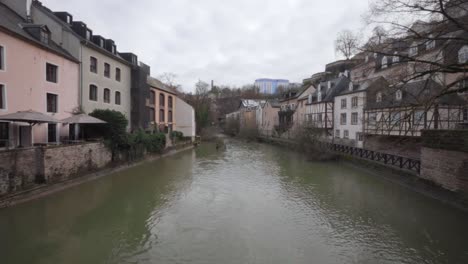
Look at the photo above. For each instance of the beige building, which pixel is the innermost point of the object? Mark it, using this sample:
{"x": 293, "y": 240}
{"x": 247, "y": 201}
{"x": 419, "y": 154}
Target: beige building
{"x": 161, "y": 106}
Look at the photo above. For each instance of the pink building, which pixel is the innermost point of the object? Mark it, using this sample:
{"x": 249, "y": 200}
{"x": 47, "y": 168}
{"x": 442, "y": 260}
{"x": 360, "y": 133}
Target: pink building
{"x": 35, "y": 74}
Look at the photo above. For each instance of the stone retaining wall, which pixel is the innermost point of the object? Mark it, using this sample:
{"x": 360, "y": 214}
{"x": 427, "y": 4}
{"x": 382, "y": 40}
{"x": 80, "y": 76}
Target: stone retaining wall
{"x": 22, "y": 169}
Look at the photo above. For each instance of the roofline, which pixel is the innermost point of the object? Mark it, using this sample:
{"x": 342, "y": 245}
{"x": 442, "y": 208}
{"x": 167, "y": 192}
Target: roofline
{"x": 93, "y": 46}
{"x": 34, "y": 43}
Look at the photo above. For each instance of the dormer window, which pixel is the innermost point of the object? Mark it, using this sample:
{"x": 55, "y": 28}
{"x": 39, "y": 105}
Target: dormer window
{"x": 398, "y": 95}
{"x": 45, "y": 36}
{"x": 309, "y": 100}
{"x": 101, "y": 43}
{"x": 384, "y": 62}
{"x": 430, "y": 44}
{"x": 396, "y": 58}
{"x": 68, "y": 19}
{"x": 351, "y": 85}
{"x": 413, "y": 51}
{"x": 319, "y": 97}
{"x": 88, "y": 34}
{"x": 379, "y": 97}
{"x": 463, "y": 55}
{"x": 113, "y": 49}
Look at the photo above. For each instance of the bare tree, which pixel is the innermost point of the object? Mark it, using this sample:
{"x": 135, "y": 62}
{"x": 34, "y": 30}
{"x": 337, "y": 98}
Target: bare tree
{"x": 347, "y": 43}
{"x": 169, "y": 79}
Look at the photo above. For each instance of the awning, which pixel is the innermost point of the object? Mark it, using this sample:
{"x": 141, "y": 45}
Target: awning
{"x": 30, "y": 116}
{"x": 82, "y": 119}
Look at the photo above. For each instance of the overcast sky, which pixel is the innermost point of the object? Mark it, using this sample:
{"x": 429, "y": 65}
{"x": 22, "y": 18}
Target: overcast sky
{"x": 232, "y": 42}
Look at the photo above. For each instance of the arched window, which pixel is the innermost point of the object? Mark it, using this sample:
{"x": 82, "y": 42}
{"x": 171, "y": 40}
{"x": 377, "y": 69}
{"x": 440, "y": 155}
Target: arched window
{"x": 430, "y": 44}
{"x": 93, "y": 92}
{"x": 379, "y": 97}
{"x": 463, "y": 54}
{"x": 117, "y": 98}
{"x": 396, "y": 58}
{"x": 162, "y": 101}
{"x": 106, "y": 95}
{"x": 384, "y": 62}
{"x": 169, "y": 101}
{"x": 398, "y": 95}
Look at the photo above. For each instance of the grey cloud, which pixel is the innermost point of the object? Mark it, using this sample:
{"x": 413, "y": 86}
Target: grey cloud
{"x": 231, "y": 42}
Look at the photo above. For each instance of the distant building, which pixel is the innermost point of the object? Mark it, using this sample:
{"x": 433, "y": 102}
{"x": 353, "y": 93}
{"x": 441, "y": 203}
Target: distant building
{"x": 270, "y": 86}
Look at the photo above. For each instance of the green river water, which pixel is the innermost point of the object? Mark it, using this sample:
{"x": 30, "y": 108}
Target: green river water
{"x": 250, "y": 203}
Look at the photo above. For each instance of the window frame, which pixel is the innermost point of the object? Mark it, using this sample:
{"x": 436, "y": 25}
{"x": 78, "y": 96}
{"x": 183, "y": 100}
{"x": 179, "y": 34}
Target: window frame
{"x": 337, "y": 133}
{"x": 398, "y": 95}
{"x": 118, "y": 95}
{"x": 96, "y": 93}
{"x": 162, "y": 116}
{"x": 152, "y": 98}
{"x": 344, "y": 103}
{"x": 107, "y": 92}
{"x": 354, "y": 115}
{"x": 54, "y": 66}
{"x": 3, "y": 97}
{"x": 384, "y": 62}
{"x": 343, "y": 118}
{"x": 463, "y": 51}
{"x": 345, "y": 134}
{"x": 170, "y": 102}
{"x": 55, "y": 133}
{"x": 162, "y": 103}
{"x": 354, "y": 102}
{"x": 378, "y": 97}
{"x": 2, "y": 58}
{"x": 152, "y": 114}
{"x": 56, "y": 96}
{"x": 96, "y": 65}
{"x": 118, "y": 74}
{"x": 107, "y": 70}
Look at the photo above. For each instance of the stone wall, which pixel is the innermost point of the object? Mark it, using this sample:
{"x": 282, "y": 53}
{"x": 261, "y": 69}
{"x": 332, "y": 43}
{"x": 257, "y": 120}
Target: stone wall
{"x": 444, "y": 158}
{"x": 66, "y": 162}
{"x": 22, "y": 169}
{"x": 402, "y": 146}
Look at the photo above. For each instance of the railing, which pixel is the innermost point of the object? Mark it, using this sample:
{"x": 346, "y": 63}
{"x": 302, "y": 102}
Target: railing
{"x": 387, "y": 159}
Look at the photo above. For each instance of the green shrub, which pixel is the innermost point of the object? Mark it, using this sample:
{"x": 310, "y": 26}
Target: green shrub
{"x": 177, "y": 135}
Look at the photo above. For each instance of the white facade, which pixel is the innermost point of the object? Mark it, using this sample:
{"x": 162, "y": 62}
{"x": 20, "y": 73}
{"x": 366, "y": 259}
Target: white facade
{"x": 101, "y": 82}
{"x": 185, "y": 117}
{"x": 349, "y": 118}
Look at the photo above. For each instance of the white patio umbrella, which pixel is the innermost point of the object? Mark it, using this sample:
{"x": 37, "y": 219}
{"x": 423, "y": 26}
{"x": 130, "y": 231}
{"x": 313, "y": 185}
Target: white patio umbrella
{"x": 30, "y": 116}
{"x": 82, "y": 119}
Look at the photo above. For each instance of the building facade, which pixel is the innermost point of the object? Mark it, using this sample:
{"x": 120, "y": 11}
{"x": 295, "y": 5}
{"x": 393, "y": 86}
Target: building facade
{"x": 185, "y": 116}
{"x": 161, "y": 106}
{"x": 270, "y": 86}
{"x": 51, "y": 86}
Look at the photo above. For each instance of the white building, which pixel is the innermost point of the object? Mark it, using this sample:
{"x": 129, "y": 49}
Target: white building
{"x": 185, "y": 116}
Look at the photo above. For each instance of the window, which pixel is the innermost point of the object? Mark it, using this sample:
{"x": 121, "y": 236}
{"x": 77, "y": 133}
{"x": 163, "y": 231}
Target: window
{"x": 354, "y": 118}
{"x": 346, "y": 134}
{"x": 161, "y": 100}
{"x": 430, "y": 44}
{"x": 2, "y": 58}
{"x": 52, "y": 100}
{"x": 117, "y": 98}
{"x": 354, "y": 101}
{"x": 309, "y": 99}
{"x": 319, "y": 97}
{"x": 2, "y": 97}
{"x": 413, "y": 51}
{"x": 337, "y": 133}
{"x": 117, "y": 74}
{"x": 359, "y": 136}
{"x": 319, "y": 118}
{"x": 93, "y": 92}
{"x": 45, "y": 37}
{"x": 379, "y": 97}
{"x": 463, "y": 54}
{"x": 106, "y": 95}
{"x": 395, "y": 119}
{"x": 351, "y": 86}
{"x": 169, "y": 116}
{"x": 152, "y": 98}
{"x": 384, "y": 62}
{"x": 465, "y": 114}
{"x": 161, "y": 115}
{"x": 169, "y": 101}
{"x": 343, "y": 119}
{"x": 88, "y": 34}
{"x": 419, "y": 117}
{"x": 93, "y": 65}
{"x": 399, "y": 95}
{"x": 151, "y": 114}
{"x": 107, "y": 70}
{"x": 343, "y": 103}
{"x": 52, "y": 133}
{"x": 372, "y": 118}
{"x": 51, "y": 73}
{"x": 4, "y": 134}
{"x": 396, "y": 57}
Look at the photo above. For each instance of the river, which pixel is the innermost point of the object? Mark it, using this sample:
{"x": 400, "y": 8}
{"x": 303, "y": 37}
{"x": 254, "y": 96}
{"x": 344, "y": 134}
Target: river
{"x": 251, "y": 203}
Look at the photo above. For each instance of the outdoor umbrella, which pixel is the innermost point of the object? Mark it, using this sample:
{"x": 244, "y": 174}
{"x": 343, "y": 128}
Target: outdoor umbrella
{"x": 82, "y": 119}
{"x": 30, "y": 116}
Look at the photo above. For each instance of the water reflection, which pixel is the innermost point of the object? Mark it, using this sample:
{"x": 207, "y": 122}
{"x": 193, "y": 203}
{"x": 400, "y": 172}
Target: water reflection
{"x": 250, "y": 203}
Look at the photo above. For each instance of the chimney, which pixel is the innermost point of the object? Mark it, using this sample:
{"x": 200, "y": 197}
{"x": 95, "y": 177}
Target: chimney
{"x": 28, "y": 11}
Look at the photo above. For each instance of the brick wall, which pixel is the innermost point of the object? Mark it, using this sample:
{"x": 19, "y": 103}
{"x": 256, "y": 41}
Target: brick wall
{"x": 21, "y": 169}
{"x": 444, "y": 158}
